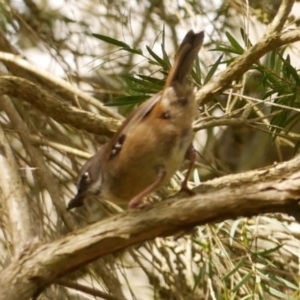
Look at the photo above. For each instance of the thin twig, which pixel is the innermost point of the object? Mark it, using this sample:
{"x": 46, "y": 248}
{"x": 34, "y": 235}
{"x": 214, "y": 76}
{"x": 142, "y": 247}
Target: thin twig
{"x": 14, "y": 199}
{"x": 85, "y": 289}
{"x": 14, "y": 59}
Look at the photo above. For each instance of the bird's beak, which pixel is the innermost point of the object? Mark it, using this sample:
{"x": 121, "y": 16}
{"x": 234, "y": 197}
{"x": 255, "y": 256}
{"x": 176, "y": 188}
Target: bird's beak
{"x": 77, "y": 200}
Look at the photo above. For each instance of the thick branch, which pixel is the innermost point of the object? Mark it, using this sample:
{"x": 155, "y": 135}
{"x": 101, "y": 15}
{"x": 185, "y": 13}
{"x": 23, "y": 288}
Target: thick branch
{"x": 56, "y": 82}
{"x": 243, "y": 63}
{"x": 61, "y": 112}
{"x": 276, "y": 189}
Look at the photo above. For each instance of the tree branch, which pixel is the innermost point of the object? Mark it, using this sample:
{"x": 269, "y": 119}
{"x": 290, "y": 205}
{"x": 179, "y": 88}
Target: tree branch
{"x": 243, "y": 63}
{"x": 85, "y": 289}
{"x": 57, "y": 82}
{"x": 50, "y": 106}
{"x": 281, "y": 17}
{"x": 275, "y": 189}
{"x": 46, "y": 177}
{"x": 13, "y": 199}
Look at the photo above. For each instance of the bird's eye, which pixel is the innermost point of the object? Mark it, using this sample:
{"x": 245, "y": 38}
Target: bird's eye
{"x": 166, "y": 115}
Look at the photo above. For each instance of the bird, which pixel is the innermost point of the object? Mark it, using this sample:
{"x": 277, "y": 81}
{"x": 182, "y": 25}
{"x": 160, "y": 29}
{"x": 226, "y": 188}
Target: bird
{"x": 151, "y": 144}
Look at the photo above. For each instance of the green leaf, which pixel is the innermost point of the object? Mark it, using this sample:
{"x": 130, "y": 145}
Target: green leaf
{"x": 292, "y": 121}
{"x": 198, "y": 75}
{"x": 128, "y": 100}
{"x": 245, "y": 37}
{"x": 236, "y": 267}
{"x": 268, "y": 251}
{"x": 296, "y": 147}
{"x": 163, "y": 48}
{"x": 250, "y": 296}
{"x": 200, "y": 276}
{"x": 153, "y": 80}
{"x": 165, "y": 56}
{"x": 283, "y": 281}
{"x": 279, "y": 120}
{"x": 272, "y": 58}
{"x": 289, "y": 68}
{"x": 273, "y": 292}
{"x": 134, "y": 51}
{"x": 242, "y": 282}
{"x": 110, "y": 40}
{"x": 118, "y": 43}
{"x": 143, "y": 85}
{"x": 225, "y": 49}
{"x": 160, "y": 61}
{"x": 235, "y": 45}
{"x": 213, "y": 69}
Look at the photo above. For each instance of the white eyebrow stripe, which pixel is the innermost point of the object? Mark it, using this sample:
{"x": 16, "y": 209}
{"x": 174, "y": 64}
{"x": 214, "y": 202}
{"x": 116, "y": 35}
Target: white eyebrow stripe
{"x": 117, "y": 146}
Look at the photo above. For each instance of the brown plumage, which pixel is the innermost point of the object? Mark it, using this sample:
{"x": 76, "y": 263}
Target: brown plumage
{"x": 152, "y": 142}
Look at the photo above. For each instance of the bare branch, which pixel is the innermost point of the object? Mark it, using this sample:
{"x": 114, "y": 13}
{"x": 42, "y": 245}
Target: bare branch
{"x": 14, "y": 199}
{"x": 47, "y": 179}
{"x": 21, "y": 63}
{"x": 50, "y": 106}
{"x": 281, "y": 17}
{"x": 243, "y": 63}
{"x": 84, "y": 289}
{"x": 275, "y": 189}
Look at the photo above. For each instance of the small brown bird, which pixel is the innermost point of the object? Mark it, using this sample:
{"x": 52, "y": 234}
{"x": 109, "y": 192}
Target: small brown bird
{"x": 151, "y": 144}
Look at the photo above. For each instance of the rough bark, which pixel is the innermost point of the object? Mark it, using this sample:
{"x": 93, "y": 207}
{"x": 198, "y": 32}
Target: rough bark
{"x": 275, "y": 189}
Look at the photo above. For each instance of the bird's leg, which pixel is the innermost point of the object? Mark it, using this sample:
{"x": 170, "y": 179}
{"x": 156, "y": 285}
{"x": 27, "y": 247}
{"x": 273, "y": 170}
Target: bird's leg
{"x": 136, "y": 201}
{"x": 191, "y": 156}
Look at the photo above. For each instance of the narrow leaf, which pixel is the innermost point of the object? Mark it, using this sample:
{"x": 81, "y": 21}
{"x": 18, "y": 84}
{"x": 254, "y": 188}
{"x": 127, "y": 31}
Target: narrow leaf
{"x": 234, "y": 43}
{"x": 157, "y": 58}
{"x": 126, "y": 100}
{"x": 242, "y": 282}
{"x": 213, "y": 69}
{"x": 236, "y": 267}
{"x": 110, "y": 40}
